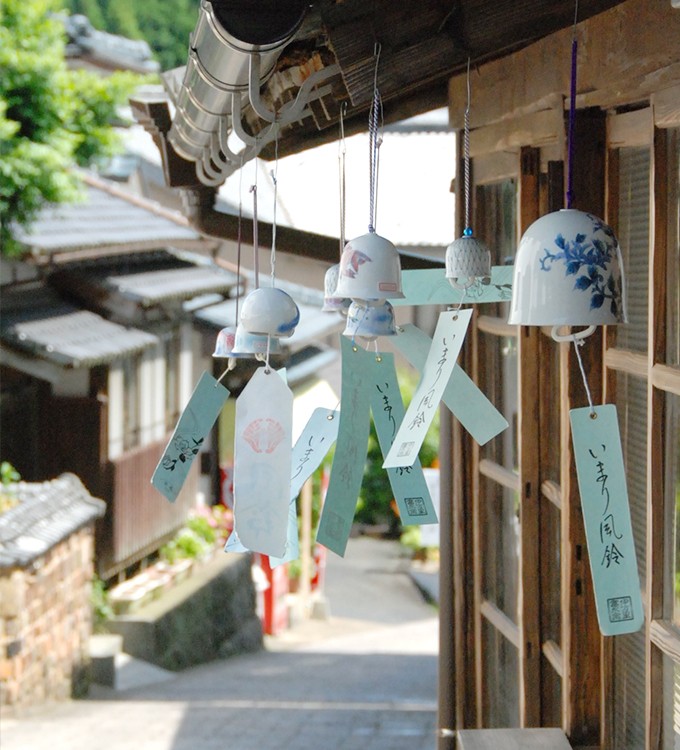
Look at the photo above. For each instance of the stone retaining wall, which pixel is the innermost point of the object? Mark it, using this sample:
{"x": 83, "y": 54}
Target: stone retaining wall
{"x": 45, "y": 625}
{"x": 210, "y": 615}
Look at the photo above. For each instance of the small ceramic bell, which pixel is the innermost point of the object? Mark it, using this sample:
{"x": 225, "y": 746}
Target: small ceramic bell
{"x": 270, "y": 311}
{"x": 369, "y": 321}
{"x": 467, "y": 260}
{"x": 225, "y": 343}
{"x": 249, "y": 345}
{"x": 369, "y": 269}
{"x": 568, "y": 272}
{"x": 332, "y": 303}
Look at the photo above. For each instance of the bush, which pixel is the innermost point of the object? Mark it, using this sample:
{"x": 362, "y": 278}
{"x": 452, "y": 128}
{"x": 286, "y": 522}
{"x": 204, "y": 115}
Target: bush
{"x": 375, "y": 504}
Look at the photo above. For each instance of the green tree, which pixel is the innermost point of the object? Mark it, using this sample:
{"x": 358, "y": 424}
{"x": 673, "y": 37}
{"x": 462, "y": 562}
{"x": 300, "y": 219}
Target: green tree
{"x": 164, "y": 24}
{"x": 51, "y": 118}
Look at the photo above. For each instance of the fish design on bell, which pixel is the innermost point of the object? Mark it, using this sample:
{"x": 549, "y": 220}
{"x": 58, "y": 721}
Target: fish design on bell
{"x": 352, "y": 261}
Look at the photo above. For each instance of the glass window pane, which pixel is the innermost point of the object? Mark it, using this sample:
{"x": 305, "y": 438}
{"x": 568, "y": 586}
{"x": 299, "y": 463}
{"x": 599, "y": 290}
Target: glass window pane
{"x": 672, "y": 484}
{"x": 631, "y": 404}
{"x": 498, "y": 380}
{"x": 496, "y": 225}
{"x": 501, "y": 683}
{"x": 633, "y": 234}
{"x": 628, "y": 699}
{"x": 500, "y": 546}
{"x": 629, "y": 691}
{"x": 671, "y": 704}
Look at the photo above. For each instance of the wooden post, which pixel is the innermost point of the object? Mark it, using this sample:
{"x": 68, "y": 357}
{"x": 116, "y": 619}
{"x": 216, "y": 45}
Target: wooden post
{"x": 581, "y": 639}
{"x": 306, "y": 545}
{"x": 656, "y": 448}
{"x": 530, "y": 490}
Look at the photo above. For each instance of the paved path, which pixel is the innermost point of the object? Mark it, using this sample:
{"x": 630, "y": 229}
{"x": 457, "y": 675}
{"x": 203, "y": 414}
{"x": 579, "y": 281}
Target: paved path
{"x": 363, "y": 680}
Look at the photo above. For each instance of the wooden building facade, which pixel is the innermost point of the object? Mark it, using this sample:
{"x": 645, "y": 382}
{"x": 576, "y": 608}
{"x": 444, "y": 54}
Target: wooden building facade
{"x": 526, "y": 647}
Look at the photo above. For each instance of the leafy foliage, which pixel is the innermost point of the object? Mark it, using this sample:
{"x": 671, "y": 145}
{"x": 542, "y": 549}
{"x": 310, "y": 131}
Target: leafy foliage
{"x": 50, "y": 117}
{"x": 164, "y": 24}
{"x": 375, "y": 499}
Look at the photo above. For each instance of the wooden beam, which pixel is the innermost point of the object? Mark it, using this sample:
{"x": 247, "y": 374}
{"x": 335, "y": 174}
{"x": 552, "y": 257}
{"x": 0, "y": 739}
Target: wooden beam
{"x": 623, "y": 360}
{"x": 666, "y": 378}
{"x": 499, "y": 474}
{"x": 581, "y": 640}
{"x": 664, "y": 635}
{"x": 553, "y": 492}
{"x": 501, "y": 622}
{"x": 656, "y": 433}
{"x": 666, "y": 106}
{"x": 496, "y": 326}
{"x": 625, "y": 64}
{"x": 536, "y": 129}
{"x": 529, "y": 473}
{"x": 553, "y": 653}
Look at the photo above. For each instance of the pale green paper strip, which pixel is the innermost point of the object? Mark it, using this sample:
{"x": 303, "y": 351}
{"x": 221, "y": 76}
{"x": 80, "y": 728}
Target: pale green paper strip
{"x": 446, "y": 344}
{"x": 310, "y": 449}
{"x": 606, "y": 515}
{"x": 350, "y": 450}
{"x": 408, "y": 483}
{"x": 429, "y": 286}
{"x": 194, "y": 424}
{"x": 467, "y": 403}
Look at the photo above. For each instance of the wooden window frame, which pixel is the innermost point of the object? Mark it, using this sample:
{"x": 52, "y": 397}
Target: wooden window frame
{"x": 662, "y": 638}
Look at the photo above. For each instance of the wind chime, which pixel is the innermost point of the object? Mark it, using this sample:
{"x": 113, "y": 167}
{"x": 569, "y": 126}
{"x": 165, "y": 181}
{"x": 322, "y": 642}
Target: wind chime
{"x": 370, "y": 270}
{"x": 468, "y": 260}
{"x": 568, "y": 273}
{"x": 368, "y": 273}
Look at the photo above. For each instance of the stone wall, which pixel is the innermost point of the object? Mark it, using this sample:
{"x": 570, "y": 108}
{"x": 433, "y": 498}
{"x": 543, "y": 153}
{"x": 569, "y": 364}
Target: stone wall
{"x": 210, "y": 615}
{"x": 45, "y": 625}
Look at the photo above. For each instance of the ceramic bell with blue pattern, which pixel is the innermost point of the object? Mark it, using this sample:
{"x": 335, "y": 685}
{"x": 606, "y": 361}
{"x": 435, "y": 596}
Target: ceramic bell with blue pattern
{"x": 568, "y": 272}
{"x": 368, "y": 321}
{"x": 253, "y": 345}
{"x": 270, "y": 311}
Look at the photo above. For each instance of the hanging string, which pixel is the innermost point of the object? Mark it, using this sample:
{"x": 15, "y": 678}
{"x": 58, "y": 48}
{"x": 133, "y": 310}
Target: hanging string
{"x": 374, "y": 142}
{"x": 274, "y": 175}
{"x": 267, "y": 369}
{"x": 466, "y": 154}
{"x": 238, "y": 237}
{"x": 342, "y": 151}
{"x": 572, "y": 113}
{"x": 577, "y": 344}
{"x": 256, "y": 247}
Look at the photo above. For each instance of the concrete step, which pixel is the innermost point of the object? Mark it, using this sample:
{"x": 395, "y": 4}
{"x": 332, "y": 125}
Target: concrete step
{"x": 112, "y": 668}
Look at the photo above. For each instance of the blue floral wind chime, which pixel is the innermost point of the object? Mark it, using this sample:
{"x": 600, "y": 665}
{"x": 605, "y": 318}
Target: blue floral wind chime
{"x": 568, "y": 272}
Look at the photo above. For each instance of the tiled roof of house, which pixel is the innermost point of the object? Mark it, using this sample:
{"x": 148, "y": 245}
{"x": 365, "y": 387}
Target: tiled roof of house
{"x": 106, "y": 218}
{"x": 46, "y": 513}
{"x": 38, "y": 321}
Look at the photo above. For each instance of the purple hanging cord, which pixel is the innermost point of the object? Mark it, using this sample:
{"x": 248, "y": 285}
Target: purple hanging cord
{"x": 572, "y": 115}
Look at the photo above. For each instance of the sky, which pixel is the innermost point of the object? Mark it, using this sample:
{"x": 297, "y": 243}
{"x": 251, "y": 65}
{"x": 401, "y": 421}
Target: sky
{"x": 414, "y": 202}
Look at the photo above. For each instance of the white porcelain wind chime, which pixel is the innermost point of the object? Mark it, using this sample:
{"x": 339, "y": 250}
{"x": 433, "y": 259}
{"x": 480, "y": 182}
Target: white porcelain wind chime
{"x": 568, "y": 273}
{"x": 268, "y": 469}
{"x": 468, "y": 260}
